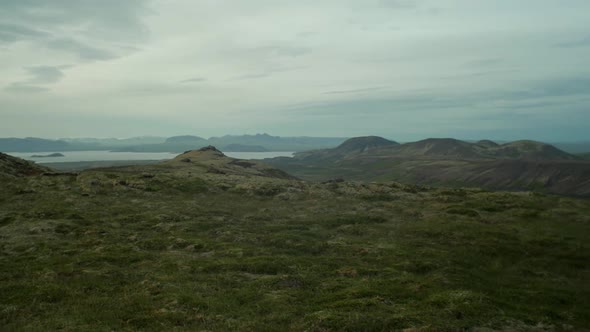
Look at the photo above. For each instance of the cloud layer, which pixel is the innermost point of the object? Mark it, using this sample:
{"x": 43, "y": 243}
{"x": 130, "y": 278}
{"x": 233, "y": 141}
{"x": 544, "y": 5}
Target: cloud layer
{"x": 405, "y": 69}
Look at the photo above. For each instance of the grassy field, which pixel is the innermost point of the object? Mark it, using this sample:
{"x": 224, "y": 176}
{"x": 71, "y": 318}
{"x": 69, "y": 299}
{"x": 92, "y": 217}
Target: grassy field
{"x": 129, "y": 250}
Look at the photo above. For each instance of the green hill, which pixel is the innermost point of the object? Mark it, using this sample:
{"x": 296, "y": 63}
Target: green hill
{"x": 207, "y": 242}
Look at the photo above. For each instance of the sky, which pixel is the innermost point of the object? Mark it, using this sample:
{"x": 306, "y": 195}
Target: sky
{"x": 402, "y": 69}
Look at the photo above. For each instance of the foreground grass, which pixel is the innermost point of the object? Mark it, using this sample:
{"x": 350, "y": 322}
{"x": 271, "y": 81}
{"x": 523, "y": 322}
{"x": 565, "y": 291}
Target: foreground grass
{"x": 120, "y": 251}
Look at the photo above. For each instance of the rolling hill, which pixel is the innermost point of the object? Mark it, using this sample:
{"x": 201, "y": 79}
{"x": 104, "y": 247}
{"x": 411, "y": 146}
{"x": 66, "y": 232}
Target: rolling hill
{"x": 521, "y": 165}
{"x": 349, "y": 148}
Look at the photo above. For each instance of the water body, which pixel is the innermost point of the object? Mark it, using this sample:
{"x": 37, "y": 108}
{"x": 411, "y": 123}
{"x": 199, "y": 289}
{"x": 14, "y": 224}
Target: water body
{"x": 77, "y": 156}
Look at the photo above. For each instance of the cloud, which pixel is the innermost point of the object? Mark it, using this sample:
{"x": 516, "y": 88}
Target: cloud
{"x": 266, "y": 72}
{"x": 105, "y": 15}
{"x": 45, "y": 74}
{"x": 250, "y": 76}
{"x": 354, "y": 91}
{"x": 531, "y": 95}
{"x": 282, "y": 50}
{"x": 74, "y": 25}
{"x": 399, "y": 4}
{"x": 24, "y": 88}
{"x": 83, "y": 51}
{"x": 487, "y": 62}
{"x": 194, "y": 80}
{"x": 158, "y": 89}
{"x": 583, "y": 42}
{"x": 38, "y": 75}
{"x": 336, "y": 61}
{"x": 557, "y": 87}
{"x": 13, "y": 32}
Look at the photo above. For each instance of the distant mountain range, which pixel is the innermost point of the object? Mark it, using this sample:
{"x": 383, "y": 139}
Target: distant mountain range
{"x": 520, "y": 165}
{"x": 228, "y": 143}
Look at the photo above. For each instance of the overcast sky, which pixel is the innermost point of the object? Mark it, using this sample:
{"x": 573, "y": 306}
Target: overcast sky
{"x": 403, "y": 69}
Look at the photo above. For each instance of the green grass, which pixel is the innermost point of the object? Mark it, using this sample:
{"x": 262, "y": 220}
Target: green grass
{"x": 117, "y": 251}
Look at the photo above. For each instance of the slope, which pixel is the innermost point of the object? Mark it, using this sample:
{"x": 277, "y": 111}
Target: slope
{"x": 16, "y": 167}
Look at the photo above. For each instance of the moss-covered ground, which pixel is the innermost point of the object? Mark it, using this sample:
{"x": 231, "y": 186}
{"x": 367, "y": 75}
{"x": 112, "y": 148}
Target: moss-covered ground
{"x": 122, "y": 251}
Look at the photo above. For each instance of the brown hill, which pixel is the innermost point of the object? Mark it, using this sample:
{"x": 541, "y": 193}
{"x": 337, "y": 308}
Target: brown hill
{"x": 438, "y": 147}
{"x": 212, "y": 161}
{"x": 16, "y": 167}
{"x": 352, "y": 147}
{"x": 530, "y": 150}
{"x": 485, "y": 149}
{"x": 521, "y": 165}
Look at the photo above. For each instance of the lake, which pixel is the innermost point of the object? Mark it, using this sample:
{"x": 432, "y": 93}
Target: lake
{"x": 77, "y": 156}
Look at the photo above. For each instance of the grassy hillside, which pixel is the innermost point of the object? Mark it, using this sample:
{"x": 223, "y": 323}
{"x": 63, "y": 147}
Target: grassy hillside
{"x": 218, "y": 245}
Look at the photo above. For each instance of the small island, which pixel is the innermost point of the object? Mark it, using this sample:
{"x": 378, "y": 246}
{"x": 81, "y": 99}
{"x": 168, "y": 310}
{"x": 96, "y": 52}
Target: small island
{"x": 48, "y": 155}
